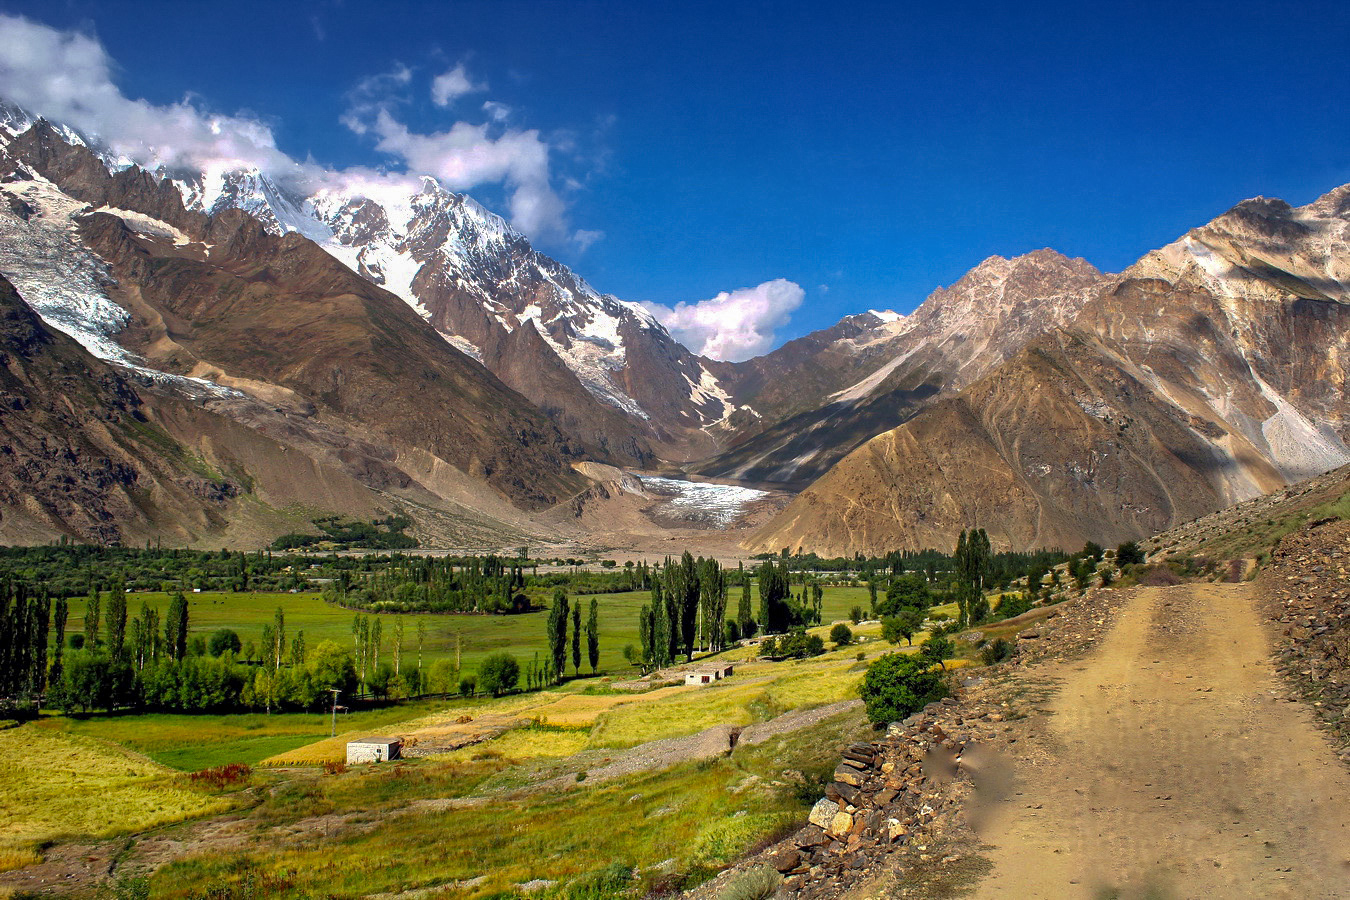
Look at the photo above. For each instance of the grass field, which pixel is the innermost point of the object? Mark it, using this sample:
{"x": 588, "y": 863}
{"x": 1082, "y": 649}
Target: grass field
{"x": 689, "y": 820}
{"x": 57, "y": 783}
{"x": 477, "y": 636}
{"x": 700, "y": 815}
{"x": 194, "y": 742}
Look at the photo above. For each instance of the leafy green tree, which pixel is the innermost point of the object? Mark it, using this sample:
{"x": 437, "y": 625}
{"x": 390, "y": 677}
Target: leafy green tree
{"x": 898, "y": 685}
{"x": 224, "y": 640}
{"x": 1129, "y": 553}
{"x": 855, "y": 615}
{"x": 902, "y": 626}
{"x": 938, "y": 649}
{"x": 841, "y": 635}
{"x": 906, "y": 592}
{"x": 331, "y": 667}
{"x": 499, "y": 673}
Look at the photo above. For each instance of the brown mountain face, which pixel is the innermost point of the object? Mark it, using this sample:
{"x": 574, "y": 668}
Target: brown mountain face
{"x": 320, "y": 359}
{"x": 282, "y": 314}
{"x": 825, "y": 394}
{"x": 88, "y": 455}
{"x": 1210, "y": 372}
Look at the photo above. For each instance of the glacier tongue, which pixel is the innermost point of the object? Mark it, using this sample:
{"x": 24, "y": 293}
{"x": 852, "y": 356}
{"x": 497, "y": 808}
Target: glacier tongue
{"x": 63, "y": 281}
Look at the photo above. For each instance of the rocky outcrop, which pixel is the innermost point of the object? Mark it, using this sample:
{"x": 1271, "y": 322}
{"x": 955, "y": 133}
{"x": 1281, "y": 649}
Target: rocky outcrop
{"x": 1307, "y": 601}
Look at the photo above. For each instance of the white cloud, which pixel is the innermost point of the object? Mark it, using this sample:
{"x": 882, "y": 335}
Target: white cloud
{"x": 585, "y": 238}
{"x": 66, "y": 76}
{"x": 497, "y": 112}
{"x": 733, "y": 326}
{"x": 448, "y": 87}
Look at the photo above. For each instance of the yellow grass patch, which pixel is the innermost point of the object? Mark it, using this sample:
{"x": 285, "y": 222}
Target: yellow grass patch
{"x": 581, "y": 709}
{"x": 328, "y": 750}
{"x": 815, "y": 688}
{"x": 522, "y": 744}
{"x": 685, "y": 713}
{"x": 57, "y": 784}
{"x": 17, "y": 858}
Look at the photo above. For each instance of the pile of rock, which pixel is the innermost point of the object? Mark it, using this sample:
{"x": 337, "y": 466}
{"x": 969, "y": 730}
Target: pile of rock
{"x": 885, "y": 794}
{"x": 1306, "y": 587}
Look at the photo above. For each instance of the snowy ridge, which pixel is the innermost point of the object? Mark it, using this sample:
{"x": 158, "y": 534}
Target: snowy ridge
{"x": 391, "y": 237}
{"x": 64, "y": 282}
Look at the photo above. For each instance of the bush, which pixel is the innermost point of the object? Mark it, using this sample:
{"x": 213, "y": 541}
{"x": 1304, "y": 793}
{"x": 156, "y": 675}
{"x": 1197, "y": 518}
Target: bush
{"x": 467, "y": 685}
{"x": 841, "y": 635}
{"x": 1129, "y": 553}
{"x": 898, "y": 685}
{"x": 758, "y": 883}
{"x": 855, "y": 615}
{"x": 499, "y": 673}
{"x": 996, "y": 652}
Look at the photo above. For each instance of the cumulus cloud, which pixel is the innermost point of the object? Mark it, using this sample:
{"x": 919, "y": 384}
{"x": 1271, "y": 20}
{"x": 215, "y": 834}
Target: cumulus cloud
{"x": 448, "y": 87}
{"x": 66, "y": 76}
{"x": 735, "y": 325}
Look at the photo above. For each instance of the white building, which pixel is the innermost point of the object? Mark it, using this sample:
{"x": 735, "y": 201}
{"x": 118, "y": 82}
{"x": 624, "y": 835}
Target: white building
{"x": 373, "y": 749}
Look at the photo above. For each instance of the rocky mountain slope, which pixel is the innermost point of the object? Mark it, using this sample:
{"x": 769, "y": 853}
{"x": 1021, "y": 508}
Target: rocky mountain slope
{"x": 271, "y": 331}
{"x": 90, "y": 454}
{"x": 821, "y": 396}
{"x": 1209, "y": 372}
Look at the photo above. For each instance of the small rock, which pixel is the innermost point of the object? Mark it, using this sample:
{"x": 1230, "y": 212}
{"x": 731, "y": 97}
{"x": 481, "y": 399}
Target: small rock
{"x": 823, "y": 813}
{"x": 785, "y": 859}
{"x": 841, "y": 824}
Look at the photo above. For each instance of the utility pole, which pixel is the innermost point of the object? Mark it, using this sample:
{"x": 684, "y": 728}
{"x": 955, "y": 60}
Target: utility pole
{"x": 333, "y": 732}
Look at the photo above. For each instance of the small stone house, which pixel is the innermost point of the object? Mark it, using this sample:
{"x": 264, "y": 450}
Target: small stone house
{"x": 373, "y": 749}
{"x": 708, "y": 676}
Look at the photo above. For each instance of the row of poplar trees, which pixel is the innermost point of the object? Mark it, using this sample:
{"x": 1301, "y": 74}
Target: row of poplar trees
{"x": 689, "y": 603}
{"x": 33, "y": 666}
{"x": 558, "y": 615}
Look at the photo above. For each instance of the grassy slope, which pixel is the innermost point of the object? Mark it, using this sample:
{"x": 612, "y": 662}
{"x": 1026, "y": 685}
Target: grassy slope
{"x": 56, "y": 783}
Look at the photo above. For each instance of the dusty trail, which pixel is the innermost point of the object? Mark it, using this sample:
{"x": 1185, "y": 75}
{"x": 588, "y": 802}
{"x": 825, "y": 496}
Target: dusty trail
{"x": 1176, "y": 769}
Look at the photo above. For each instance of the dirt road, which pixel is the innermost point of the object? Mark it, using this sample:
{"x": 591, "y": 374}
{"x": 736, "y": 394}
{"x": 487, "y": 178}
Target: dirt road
{"x": 1174, "y": 767}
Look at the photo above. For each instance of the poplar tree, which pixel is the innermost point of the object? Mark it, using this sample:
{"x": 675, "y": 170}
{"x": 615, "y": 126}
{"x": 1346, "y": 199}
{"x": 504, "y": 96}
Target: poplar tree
{"x": 593, "y": 636}
{"x": 176, "y": 626}
{"x": 557, "y": 633}
{"x": 91, "y": 618}
{"x": 576, "y": 638}
{"x": 745, "y": 619}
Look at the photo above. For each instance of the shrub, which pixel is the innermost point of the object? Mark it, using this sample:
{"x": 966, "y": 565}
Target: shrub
{"x": 467, "y": 685}
{"x": 1158, "y": 576}
{"x": 855, "y": 615}
{"x": 221, "y": 777}
{"x": 996, "y": 651}
{"x": 841, "y": 635}
{"x": 1129, "y": 553}
{"x": 758, "y": 883}
{"x": 898, "y": 685}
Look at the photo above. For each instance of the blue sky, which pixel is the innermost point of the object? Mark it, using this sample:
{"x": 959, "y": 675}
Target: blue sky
{"x": 866, "y": 152}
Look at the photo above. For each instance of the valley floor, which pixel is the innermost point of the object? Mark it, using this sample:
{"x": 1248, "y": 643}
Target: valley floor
{"x": 1172, "y": 764}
